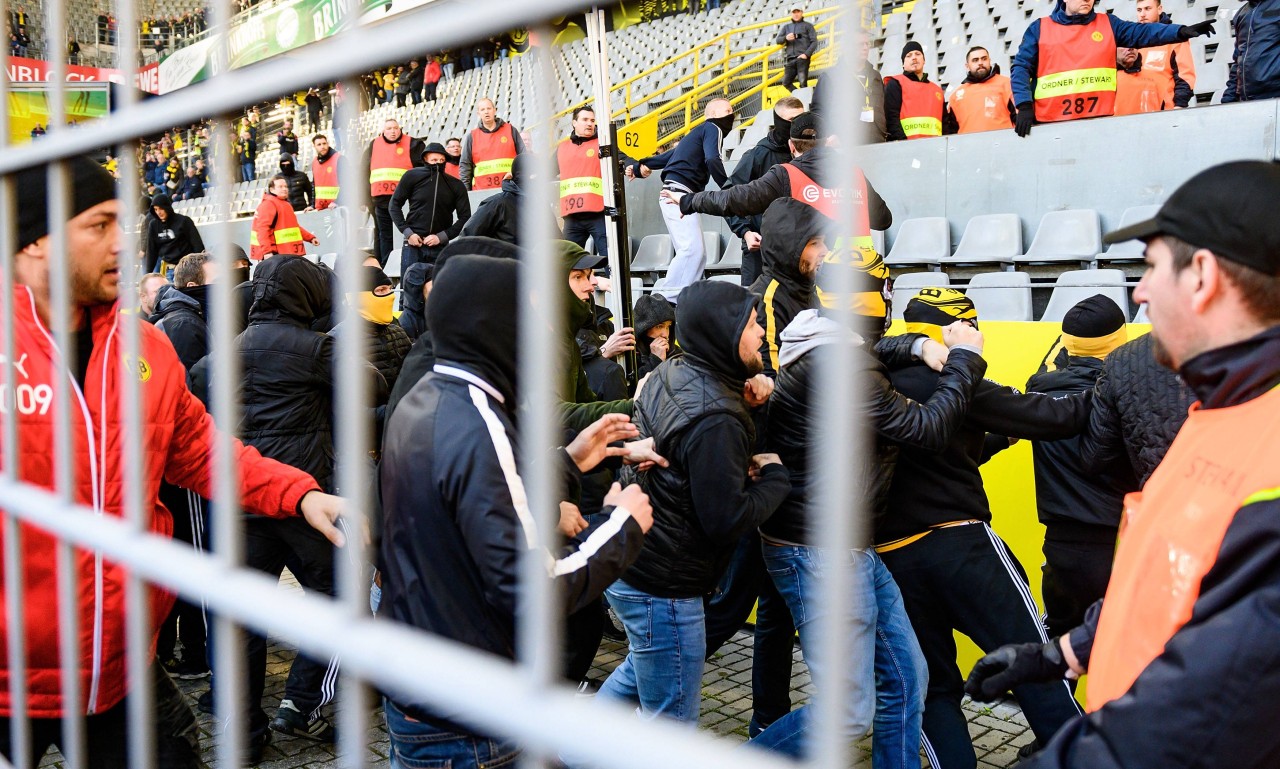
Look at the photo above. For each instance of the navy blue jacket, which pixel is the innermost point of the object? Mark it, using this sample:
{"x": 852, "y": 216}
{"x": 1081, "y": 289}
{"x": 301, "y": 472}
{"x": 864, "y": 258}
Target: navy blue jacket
{"x": 1128, "y": 34}
{"x": 1255, "y": 66}
{"x": 694, "y": 160}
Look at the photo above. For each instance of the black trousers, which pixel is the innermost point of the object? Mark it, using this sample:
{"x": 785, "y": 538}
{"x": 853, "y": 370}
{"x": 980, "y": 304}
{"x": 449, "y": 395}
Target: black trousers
{"x": 270, "y": 545}
{"x": 746, "y": 584}
{"x": 1075, "y": 576}
{"x": 965, "y": 578}
{"x": 795, "y": 67}
{"x": 107, "y": 733}
{"x": 383, "y": 232}
{"x": 751, "y": 266}
{"x": 186, "y": 622}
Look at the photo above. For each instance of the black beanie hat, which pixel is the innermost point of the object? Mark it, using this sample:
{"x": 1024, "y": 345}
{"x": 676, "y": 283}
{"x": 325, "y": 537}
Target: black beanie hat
{"x": 372, "y": 277}
{"x": 1094, "y": 317}
{"x": 652, "y": 309}
{"x": 911, "y": 46}
{"x": 89, "y": 184}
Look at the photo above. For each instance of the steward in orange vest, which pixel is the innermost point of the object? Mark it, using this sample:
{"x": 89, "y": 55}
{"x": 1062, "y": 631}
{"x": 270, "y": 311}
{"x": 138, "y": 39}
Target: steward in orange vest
{"x": 983, "y": 101}
{"x": 581, "y": 186}
{"x": 1065, "y": 68}
{"x": 913, "y": 106}
{"x": 1181, "y": 654}
{"x": 488, "y": 150}
{"x": 275, "y": 226}
{"x": 1171, "y": 64}
{"x": 1137, "y": 90}
{"x": 324, "y": 172}
{"x": 386, "y": 160}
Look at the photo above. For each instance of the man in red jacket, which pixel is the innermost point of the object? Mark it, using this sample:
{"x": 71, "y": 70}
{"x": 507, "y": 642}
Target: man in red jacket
{"x": 179, "y": 441}
{"x": 275, "y": 225}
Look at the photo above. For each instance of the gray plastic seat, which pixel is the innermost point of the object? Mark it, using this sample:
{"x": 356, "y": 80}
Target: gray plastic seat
{"x": 393, "y": 264}
{"x": 1065, "y": 236}
{"x": 654, "y": 254}
{"x": 730, "y": 257}
{"x": 1130, "y": 249}
{"x": 989, "y": 238}
{"x": 926, "y": 240}
{"x": 1075, "y": 285}
{"x": 711, "y": 247}
{"x": 1141, "y": 315}
{"x": 907, "y": 286}
{"x": 1001, "y": 295}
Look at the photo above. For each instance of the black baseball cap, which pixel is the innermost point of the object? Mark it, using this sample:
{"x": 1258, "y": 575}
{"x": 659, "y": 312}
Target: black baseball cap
{"x": 1229, "y": 209}
{"x": 804, "y": 126}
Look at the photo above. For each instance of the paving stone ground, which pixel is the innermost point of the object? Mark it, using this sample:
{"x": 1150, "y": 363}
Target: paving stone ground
{"x": 998, "y": 731}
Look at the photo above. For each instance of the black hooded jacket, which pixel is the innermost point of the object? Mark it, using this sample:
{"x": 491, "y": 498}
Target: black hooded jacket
{"x": 456, "y": 524}
{"x": 692, "y": 406}
{"x": 1073, "y": 501}
{"x": 301, "y": 194}
{"x": 438, "y": 204}
{"x": 498, "y": 216}
{"x": 768, "y": 152}
{"x": 181, "y": 318}
{"x": 413, "y": 316}
{"x": 754, "y": 198}
{"x": 170, "y": 240}
{"x": 781, "y": 288}
{"x": 288, "y": 371}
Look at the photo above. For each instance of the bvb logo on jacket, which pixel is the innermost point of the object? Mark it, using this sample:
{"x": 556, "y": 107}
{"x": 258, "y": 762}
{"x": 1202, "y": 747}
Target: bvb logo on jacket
{"x": 140, "y": 365}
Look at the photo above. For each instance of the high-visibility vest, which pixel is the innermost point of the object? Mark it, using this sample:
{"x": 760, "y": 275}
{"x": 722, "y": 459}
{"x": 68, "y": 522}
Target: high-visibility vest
{"x": 277, "y": 219}
{"x": 325, "y": 177}
{"x": 1222, "y": 460}
{"x": 581, "y": 188}
{"x": 983, "y": 106}
{"x": 826, "y": 201}
{"x": 1158, "y": 62}
{"x": 1076, "y": 70}
{"x": 921, "y": 115}
{"x": 453, "y": 169}
{"x": 387, "y": 163}
{"x": 1137, "y": 93}
{"x": 491, "y": 156}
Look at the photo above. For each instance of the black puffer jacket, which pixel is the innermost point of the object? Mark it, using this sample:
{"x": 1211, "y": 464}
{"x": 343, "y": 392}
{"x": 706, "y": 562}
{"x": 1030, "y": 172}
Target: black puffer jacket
{"x": 301, "y": 194}
{"x": 693, "y": 408}
{"x": 1138, "y": 408}
{"x": 755, "y": 197}
{"x": 784, "y": 292}
{"x": 387, "y": 345}
{"x": 181, "y": 319}
{"x": 795, "y": 423}
{"x": 1068, "y": 493}
{"x": 288, "y": 370}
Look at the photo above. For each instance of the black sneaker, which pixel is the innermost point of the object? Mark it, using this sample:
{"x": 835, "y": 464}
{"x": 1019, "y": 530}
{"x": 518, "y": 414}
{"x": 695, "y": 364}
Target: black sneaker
{"x": 187, "y": 671}
{"x": 289, "y": 720}
{"x": 587, "y": 688}
{"x": 204, "y": 703}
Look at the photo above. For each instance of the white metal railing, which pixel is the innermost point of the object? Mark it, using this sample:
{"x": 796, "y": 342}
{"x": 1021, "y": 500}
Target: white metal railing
{"x": 519, "y": 701}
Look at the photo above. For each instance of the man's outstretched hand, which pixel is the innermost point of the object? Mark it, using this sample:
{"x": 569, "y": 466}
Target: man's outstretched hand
{"x": 322, "y": 512}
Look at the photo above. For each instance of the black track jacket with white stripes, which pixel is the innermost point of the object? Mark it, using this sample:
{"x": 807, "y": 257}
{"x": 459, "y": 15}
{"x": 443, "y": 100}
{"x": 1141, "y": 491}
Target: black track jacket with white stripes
{"x": 457, "y": 521}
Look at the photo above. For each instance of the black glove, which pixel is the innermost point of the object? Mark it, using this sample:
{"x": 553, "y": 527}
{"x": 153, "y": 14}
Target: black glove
{"x": 1188, "y": 31}
{"x": 1014, "y": 665}
{"x": 1026, "y": 119}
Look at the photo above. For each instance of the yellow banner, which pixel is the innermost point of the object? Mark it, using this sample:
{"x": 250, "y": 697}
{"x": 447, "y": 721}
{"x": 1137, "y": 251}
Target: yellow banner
{"x": 1076, "y": 81}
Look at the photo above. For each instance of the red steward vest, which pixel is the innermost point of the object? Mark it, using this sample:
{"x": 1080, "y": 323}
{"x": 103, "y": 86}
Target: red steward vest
{"x": 1137, "y": 93}
{"x": 453, "y": 169}
{"x": 1076, "y": 70}
{"x": 581, "y": 188}
{"x": 1172, "y": 530}
{"x": 276, "y": 230}
{"x": 983, "y": 106}
{"x": 325, "y": 177}
{"x": 921, "y": 115}
{"x": 1157, "y": 61}
{"x": 491, "y": 154}
{"x": 387, "y": 163}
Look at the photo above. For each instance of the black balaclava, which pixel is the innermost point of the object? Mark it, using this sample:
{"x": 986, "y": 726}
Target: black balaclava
{"x": 472, "y": 315}
{"x": 711, "y": 316}
{"x": 725, "y": 124}
{"x": 781, "y": 130}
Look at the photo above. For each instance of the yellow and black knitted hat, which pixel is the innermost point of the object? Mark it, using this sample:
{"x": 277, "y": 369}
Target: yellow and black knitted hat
{"x": 933, "y": 308}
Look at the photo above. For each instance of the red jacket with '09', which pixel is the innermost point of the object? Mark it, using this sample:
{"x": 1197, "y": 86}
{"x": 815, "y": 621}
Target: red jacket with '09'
{"x": 177, "y": 444}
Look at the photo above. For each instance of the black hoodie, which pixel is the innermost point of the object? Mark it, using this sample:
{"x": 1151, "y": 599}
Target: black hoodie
{"x": 693, "y": 408}
{"x": 782, "y": 290}
{"x": 768, "y": 152}
{"x": 170, "y": 240}
{"x": 301, "y": 193}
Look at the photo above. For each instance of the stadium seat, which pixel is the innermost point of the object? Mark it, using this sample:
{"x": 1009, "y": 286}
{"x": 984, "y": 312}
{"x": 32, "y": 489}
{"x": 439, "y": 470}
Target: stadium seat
{"x": 725, "y": 278}
{"x": 711, "y": 247}
{"x": 907, "y": 286}
{"x": 654, "y": 254}
{"x": 1074, "y": 285}
{"x": 730, "y": 258}
{"x": 1001, "y": 295}
{"x": 805, "y": 95}
{"x": 926, "y": 240}
{"x": 1065, "y": 236}
{"x": 392, "y": 269}
{"x": 1130, "y": 250}
{"x": 328, "y": 260}
{"x": 989, "y": 238}
{"x": 1141, "y": 315}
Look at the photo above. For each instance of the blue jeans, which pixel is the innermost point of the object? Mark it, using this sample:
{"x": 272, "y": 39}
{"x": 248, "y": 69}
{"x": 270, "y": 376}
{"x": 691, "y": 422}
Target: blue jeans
{"x": 417, "y": 745}
{"x": 887, "y": 674}
{"x": 667, "y": 640}
{"x": 579, "y": 227}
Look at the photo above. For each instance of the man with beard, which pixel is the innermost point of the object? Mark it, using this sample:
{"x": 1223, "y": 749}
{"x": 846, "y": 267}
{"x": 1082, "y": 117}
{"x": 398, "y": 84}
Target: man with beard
{"x": 983, "y": 101}
{"x": 714, "y": 491}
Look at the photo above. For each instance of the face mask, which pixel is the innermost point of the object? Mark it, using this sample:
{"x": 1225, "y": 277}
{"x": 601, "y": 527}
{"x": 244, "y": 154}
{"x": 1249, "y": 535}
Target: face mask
{"x": 725, "y": 124}
{"x": 781, "y": 129}
{"x": 376, "y": 309}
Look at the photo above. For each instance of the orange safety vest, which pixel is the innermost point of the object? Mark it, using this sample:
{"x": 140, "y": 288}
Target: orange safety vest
{"x": 325, "y": 177}
{"x": 983, "y": 106}
{"x": 1076, "y": 70}
{"x": 453, "y": 169}
{"x": 1158, "y": 61}
{"x": 581, "y": 188}
{"x": 1137, "y": 93}
{"x": 921, "y": 115}
{"x": 387, "y": 163}
{"x": 806, "y": 190}
{"x": 275, "y": 229}
{"x": 1172, "y": 530}
{"x": 492, "y": 155}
